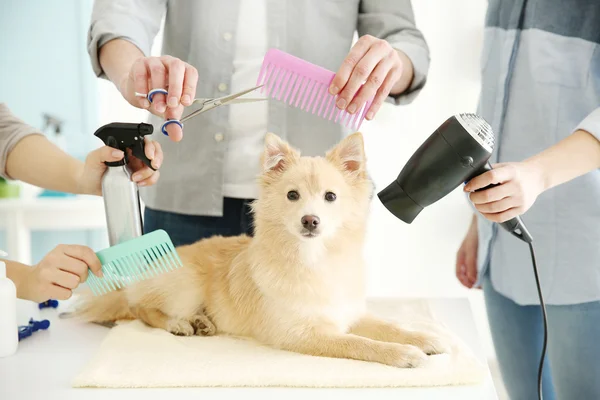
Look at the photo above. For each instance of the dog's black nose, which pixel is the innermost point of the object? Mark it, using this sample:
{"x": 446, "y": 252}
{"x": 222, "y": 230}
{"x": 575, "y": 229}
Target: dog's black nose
{"x": 310, "y": 222}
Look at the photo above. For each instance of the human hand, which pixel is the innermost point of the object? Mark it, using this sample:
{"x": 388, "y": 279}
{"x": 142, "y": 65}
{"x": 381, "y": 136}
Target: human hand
{"x": 375, "y": 62}
{"x": 466, "y": 257}
{"x": 90, "y": 180}
{"x": 59, "y": 272}
{"x": 170, "y": 73}
{"x": 519, "y": 185}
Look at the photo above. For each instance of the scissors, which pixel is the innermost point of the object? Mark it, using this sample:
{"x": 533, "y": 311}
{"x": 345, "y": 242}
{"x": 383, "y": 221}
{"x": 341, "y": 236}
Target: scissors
{"x": 206, "y": 104}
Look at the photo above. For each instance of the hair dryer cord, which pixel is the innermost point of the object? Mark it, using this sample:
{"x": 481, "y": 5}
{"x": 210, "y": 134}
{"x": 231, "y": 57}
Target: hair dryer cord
{"x": 541, "y": 297}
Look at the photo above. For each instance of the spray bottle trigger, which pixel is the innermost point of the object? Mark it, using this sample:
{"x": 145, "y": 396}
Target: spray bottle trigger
{"x": 111, "y": 141}
{"x": 138, "y": 151}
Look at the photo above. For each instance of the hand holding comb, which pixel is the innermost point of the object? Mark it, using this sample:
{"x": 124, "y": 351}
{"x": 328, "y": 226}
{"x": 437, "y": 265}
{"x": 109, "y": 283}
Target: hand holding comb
{"x": 133, "y": 261}
{"x": 306, "y": 86}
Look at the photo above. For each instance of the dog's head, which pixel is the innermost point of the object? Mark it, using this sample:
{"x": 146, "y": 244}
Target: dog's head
{"x": 313, "y": 198}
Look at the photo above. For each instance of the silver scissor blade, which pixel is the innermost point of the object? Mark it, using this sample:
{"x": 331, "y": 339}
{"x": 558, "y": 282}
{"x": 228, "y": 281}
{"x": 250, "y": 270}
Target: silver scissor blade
{"x": 234, "y": 101}
{"x": 240, "y": 101}
{"x": 227, "y": 99}
{"x": 209, "y": 104}
{"x": 195, "y": 113}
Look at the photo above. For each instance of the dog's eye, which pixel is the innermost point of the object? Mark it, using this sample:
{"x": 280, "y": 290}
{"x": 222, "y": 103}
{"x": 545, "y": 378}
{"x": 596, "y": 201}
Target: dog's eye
{"x": 330, "y": 196}
{"x": 293, "y": 195}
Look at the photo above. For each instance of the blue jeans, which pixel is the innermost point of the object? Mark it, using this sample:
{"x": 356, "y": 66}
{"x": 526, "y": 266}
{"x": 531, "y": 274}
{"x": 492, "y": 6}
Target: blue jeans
{"x": 572, "y": 365}
{"x": 186, "y": 229}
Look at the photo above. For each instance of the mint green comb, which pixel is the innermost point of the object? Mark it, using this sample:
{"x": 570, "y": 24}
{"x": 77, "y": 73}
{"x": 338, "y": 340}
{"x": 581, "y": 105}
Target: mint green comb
{"x": 133, "y": 261}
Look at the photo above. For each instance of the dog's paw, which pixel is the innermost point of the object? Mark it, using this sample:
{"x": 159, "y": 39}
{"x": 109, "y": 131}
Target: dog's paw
{"x": 430, "y": 343}
{"x": 406, "y": 356}
{"x": 180, "y": 327}
{"x": 203, "y": 326}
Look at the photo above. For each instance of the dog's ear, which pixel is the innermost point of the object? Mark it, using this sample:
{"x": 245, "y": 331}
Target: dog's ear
{"x": 277, "y": 154}
{"x": 349, "y": 154}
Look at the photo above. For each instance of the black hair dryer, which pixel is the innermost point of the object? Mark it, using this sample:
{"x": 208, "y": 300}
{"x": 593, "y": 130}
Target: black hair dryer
{"x": 455, "y": 153}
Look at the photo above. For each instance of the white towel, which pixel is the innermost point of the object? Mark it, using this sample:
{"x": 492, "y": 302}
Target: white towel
{"x": 135, "y": 355}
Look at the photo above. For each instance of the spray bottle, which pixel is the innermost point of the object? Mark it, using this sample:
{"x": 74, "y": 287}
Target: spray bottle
{"x": 120, "y": 193}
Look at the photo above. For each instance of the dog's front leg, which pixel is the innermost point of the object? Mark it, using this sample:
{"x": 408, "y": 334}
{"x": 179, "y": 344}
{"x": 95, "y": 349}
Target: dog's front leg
{"x": 158, "y": 319}
{"x": 203, "y": 326}
{"x": 357, "y": 348}
{"x": 378, "y": 329}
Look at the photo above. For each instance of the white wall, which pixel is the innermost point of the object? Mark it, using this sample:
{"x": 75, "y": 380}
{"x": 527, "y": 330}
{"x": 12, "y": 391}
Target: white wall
{"x": 416, "y": 259}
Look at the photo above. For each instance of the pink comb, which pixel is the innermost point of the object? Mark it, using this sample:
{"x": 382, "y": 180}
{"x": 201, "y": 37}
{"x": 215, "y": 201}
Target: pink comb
{"x": 305, "y": 85}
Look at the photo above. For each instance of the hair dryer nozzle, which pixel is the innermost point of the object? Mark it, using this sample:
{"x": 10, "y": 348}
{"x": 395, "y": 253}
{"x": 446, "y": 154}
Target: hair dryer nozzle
{"x": 395, "y": 199}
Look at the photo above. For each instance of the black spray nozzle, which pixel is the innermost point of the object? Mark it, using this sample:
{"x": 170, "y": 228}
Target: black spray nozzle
{"x": 123, "y": 136}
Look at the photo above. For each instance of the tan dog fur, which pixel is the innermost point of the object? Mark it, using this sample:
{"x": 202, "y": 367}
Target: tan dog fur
{"x": 287, "y": 290}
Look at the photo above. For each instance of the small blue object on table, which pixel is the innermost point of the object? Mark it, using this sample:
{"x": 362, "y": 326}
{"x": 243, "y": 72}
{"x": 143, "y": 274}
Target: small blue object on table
{"x": 49, "y": 304}
{"x": 34, "y": 326}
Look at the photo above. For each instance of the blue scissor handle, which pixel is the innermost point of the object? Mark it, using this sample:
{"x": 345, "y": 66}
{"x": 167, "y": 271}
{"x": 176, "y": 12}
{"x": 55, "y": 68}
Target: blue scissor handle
{"x": 168, "y": 122}
{"x": 155, "y": 91}
{"x": 163, "y": 128}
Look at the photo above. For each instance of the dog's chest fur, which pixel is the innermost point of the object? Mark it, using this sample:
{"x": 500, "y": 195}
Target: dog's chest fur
{"x": 329, "y": 290}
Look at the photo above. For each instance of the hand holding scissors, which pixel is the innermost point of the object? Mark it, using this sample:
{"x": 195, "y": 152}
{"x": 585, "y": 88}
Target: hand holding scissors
{"x": 206, "y": 104}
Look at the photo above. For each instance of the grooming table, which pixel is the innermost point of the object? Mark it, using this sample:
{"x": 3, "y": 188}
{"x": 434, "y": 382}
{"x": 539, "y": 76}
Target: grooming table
{"x": 46, "y": 363}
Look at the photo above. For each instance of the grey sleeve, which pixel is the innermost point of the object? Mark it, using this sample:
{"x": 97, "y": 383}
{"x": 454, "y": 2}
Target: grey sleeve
{"x": 137, "y": 21}
{"x": 394, "y": 21}
{"x": 12, "y": 130}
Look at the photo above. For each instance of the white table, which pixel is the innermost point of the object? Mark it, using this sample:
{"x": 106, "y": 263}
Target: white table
{"x": 46, "y": 362}
{"x": 18, "y": 217}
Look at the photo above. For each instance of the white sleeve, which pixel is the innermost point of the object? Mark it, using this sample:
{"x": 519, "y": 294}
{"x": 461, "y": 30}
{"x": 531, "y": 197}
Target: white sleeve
{"x": 591, "y": 123}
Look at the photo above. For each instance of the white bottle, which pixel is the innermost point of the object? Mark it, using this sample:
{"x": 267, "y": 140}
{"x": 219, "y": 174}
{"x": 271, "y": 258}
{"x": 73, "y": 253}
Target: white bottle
{"x": 9, "y": 330}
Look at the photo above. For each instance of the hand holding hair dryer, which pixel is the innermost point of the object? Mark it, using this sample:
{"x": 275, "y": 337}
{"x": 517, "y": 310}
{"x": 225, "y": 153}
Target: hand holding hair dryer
{"x": 455, "y": 153}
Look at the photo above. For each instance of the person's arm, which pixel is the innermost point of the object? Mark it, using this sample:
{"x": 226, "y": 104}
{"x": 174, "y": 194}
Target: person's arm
{"x": 394, "y": 22}
{"x": 391, "y": 58}
{"x": 136, "y": 22}
{"x": 573, "y": 156}
{"x": 27, "y": 155}
{"x": 520, "y": 183}
{"x": 56, "y": 276}
{"x": 119, "y": 44}
{"x": 116, "y": 59}
{"x": 12, "y": 131}
{"x": 20, "y": 274}
{"x": 39, "y": 162}
{"x": 406, "y": 78}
